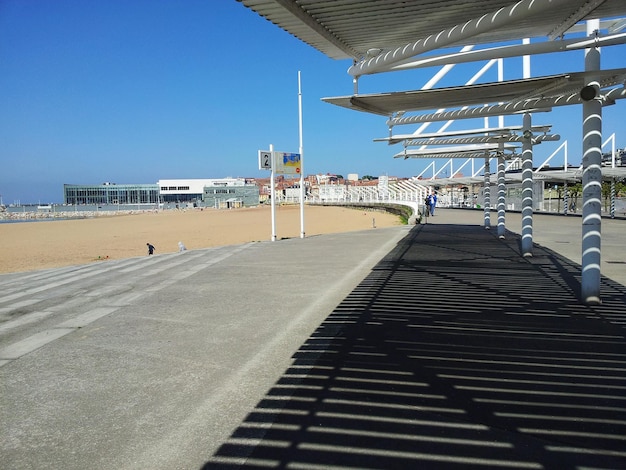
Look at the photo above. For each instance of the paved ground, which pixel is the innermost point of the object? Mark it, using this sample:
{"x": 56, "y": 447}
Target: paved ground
{"x": 410, "y": 347}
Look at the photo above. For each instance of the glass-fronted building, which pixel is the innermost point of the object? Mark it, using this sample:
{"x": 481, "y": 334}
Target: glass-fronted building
{"x": 110, "y": 194}
{"x": 219, "y": 193}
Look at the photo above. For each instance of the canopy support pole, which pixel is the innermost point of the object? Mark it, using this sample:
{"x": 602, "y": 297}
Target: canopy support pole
{"x": 487, "y": 198}
{"x": 501, "y": 193}
{"x": 592, "y": 182}
{"x": 527, "y": 187}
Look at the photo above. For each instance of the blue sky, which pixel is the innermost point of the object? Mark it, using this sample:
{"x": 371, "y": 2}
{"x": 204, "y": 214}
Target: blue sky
{"x": 142, "y": 90}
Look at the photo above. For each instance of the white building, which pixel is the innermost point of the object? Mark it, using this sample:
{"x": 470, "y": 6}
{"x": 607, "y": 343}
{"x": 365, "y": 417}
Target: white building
{"x": 192, "y": 190}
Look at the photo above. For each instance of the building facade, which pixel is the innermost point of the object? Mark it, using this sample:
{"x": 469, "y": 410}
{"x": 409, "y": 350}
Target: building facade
{"x": 219, "y": 193}
{"x": 110, "y": 194}
{"x": 229, "y": 193}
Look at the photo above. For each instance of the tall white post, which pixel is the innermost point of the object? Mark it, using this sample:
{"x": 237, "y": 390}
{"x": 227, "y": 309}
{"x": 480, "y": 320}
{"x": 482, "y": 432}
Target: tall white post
{"x": 500, "y": 79}
{"x": 527, "y": 187}
{"x": 273, "y": 193}
{"x": 301, "y": 151}
{"x": 526, "y": 60}
{"x": 592, "y": 180}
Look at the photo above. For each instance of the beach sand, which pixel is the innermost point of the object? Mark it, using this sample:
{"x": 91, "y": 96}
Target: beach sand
{"x": 30, "y": 246}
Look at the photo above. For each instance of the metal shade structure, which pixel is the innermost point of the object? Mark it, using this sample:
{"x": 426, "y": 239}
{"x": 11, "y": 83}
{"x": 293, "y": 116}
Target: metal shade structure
{"x": 394, "y": 139}
{"x": 374, "y": 32}
{"x": 571, "y": 175}
{"x": 512, "y": 91}
{"x": 380, "y": 36}
{"x": 459, "y": 151}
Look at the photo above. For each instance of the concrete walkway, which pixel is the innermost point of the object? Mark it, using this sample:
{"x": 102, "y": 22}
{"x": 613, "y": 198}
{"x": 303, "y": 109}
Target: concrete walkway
{"x": 412, "y": 347}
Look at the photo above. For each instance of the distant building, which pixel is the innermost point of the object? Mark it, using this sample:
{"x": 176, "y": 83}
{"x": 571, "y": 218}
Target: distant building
{"x": 110, "y": 194}
{"x": 184, "y": 190}
{"x": 229, "y": 193}
{"x": 332, "y": 192}
{"x": 219, "y": 193}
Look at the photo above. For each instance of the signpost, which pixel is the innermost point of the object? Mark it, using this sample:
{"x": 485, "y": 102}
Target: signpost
{"x": 287, "y": 164}
{"x": 283, "y": 163}
{"x": 265, "y": 160}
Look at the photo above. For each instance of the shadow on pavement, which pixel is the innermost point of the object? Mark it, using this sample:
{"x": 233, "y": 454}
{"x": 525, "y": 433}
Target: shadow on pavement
{"x": 455, "y": 350}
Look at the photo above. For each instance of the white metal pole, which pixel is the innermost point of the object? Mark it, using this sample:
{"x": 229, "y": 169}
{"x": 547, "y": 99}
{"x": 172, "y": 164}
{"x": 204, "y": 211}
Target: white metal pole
{"x": 501, "y": 192}
{"x": 301, "y": 151}
{"x": 526, "y": 60}
{"x": 272, "y": 193}
{"x": 527, "y": 187}
{"x": 501, "y": 79}
{"x": 487, "y": 194}
{"x": 592, "y": 182}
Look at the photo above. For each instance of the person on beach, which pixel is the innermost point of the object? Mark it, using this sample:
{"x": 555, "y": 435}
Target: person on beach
{"x": 181, "y": 247}
{"x": 150, "y": 249}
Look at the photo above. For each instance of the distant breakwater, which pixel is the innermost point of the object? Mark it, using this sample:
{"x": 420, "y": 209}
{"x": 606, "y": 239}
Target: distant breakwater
{"x": 64, "y": 215}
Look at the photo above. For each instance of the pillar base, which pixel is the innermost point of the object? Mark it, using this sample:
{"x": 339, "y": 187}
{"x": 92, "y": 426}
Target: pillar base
{"x": 592, "y": 300}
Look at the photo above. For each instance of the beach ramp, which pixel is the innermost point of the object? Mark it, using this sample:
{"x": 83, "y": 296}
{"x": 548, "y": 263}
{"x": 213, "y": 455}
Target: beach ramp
{"x": 152, "y": 362}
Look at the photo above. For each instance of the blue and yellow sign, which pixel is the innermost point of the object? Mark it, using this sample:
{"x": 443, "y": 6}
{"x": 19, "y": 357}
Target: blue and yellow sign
{"x": 288, "y": 163}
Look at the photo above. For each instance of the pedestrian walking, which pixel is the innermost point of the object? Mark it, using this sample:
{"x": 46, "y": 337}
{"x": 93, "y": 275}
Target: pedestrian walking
{"x": 151, "y": 249}
{"x": 432, "y": 202}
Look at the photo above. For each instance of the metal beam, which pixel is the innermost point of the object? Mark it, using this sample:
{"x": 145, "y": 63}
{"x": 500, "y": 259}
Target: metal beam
{"x": 486, "y": 139}
{"x": 545, "y": 47}
{"x": 456, "y": 34}
{"x": 468, "y": 151}
{"x": 574, "y": 18}
{"x": 296, "y": 10}
{"x": 533, "y": 105}
{"x": 394, "y": 139}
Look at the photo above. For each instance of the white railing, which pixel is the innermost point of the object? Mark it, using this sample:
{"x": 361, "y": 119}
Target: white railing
{"x": 404, "y": 193}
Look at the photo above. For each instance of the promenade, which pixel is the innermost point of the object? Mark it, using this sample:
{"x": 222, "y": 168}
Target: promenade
{"x": 428, "y": 346}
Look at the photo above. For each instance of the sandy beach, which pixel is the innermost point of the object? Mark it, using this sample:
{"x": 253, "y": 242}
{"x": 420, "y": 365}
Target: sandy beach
{"x": 47, "y": 244}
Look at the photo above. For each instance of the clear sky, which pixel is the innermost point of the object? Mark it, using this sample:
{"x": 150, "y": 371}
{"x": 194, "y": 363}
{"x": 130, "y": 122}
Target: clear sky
{"x": 135, "y": 91}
